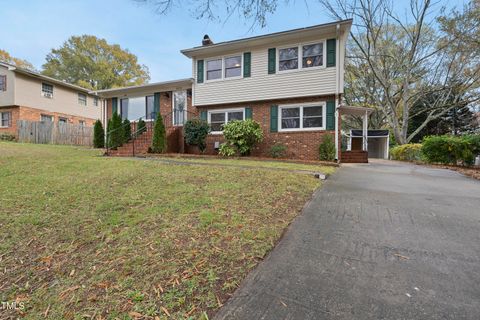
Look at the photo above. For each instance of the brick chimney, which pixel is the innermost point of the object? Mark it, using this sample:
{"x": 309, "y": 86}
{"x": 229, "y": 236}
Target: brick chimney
{"x": 206, "y": 40}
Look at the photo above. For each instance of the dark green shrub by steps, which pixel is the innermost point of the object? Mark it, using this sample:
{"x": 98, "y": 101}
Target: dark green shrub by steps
{"x": 196, "y": 132}
{"x": 326, "y": 149}
{"x": 98, "y": 135}
{"x": 278, "y": 150}
{"x": 407, "y": 152}
{"x": 159, "y": 142}
{"x": 141, "y": 127}
{"x": 115, "y": 131}
{"x": 127, "y": 130}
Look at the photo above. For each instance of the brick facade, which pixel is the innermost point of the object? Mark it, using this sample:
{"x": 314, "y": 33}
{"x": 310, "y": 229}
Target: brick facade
{"x": 32, "y": 114}
{"x": 300, "y": 144}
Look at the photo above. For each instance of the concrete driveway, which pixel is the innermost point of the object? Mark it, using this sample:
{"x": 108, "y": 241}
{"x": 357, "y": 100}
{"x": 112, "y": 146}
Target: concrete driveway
{"x": 386, "y": 240}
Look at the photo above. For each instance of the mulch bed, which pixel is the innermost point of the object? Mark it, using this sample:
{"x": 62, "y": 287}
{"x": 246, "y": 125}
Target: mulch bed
{"x": 205, "y": 156}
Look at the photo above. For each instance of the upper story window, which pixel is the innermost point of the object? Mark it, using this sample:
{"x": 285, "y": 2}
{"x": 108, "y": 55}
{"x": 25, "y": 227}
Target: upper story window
{"x": 233, "y": 66}
{"x": 214, "y": 69}
{"x": 95, "y": 101}
{"x": 3, "y": 83}
{"x": 301, "y": 57}
{"x": 310, "y": 116}
{"x": 82, "y": 99}
{"x": 312, "y": 55}
{"x": 288, "y": 59}
{"x": 5, "y": 119}
{"x": 47, "y": 90}
{"x": 218, "y": 118}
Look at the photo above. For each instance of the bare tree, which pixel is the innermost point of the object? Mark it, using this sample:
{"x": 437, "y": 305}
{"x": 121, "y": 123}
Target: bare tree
{"x": 396, "y": 62}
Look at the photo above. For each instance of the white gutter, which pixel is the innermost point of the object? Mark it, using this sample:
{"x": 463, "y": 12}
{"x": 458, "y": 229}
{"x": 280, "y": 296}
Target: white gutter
{"x": 337, "y": 86}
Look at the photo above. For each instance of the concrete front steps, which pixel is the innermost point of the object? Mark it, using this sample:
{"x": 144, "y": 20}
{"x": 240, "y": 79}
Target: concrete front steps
{"x": 354, "y": 157}
{"x": 137, "y": 146}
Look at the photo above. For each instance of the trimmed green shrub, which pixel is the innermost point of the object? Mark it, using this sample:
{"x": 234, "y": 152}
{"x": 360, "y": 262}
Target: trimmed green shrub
{"x": 115, "y": 131}
{"x": 407, "y": 152}
{"x": 448, "y": 150}
{"x": 159, "y": 142}
{"x": 326, "y": 149}
{"x": 141, "y": 127}
{"x": 278, "y": 150}
{"x": 7, "y": 137}
{"x": 98, "y": 135}
{"x": 196, "y": 131}
{"x": 127, "y": 130}
{"x": 227, "y": 150}
{"x": 242, "y": 135}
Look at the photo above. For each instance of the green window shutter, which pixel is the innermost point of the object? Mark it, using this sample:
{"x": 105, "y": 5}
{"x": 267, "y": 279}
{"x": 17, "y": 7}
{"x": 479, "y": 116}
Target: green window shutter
{"x": 248, "y": 113}
{"x": 331, "y": 52}
{"x": 272, "y": 56}
{"x": 203, "y": 115}
{"x": 156, "y": 104}
{"x": 114, "y": 105}
{"x": 200, "y": 71}
{"x": 274, "y": 118}
{"x": 330, "y": 115}
{"x": 247, "y": 64}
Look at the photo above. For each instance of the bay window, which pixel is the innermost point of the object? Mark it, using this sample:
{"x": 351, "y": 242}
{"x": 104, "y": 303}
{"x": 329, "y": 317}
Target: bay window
{"x": 309, "y": 116}
{"x": 218, "y": 118}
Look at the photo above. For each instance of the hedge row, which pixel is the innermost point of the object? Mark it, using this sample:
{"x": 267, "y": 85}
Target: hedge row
{"x": 440, "y": 149}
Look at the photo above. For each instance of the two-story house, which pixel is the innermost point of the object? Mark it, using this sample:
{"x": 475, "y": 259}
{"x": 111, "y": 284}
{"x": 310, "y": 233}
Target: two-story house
{"x": 290, "y": 82}
{"x": 27, "y": 95}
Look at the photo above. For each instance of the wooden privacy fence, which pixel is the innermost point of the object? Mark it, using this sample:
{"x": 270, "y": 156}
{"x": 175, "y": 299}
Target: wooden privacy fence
{"x": 54, "y": 133}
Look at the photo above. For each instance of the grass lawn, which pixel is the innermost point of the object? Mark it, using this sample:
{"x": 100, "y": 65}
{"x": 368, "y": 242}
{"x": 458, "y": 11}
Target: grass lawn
{"x": 89, "y": 237}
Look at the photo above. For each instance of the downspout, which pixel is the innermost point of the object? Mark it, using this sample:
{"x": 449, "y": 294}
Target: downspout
{"x": 337, "y": 89}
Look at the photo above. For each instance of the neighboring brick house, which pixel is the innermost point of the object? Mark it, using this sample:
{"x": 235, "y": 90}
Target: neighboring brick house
{"x": 290, "y": 82}
{"x": 27, "y": 95}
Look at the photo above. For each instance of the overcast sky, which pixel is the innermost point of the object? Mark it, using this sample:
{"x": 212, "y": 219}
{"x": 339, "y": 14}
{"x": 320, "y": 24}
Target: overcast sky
{"x": 29, "y": 29}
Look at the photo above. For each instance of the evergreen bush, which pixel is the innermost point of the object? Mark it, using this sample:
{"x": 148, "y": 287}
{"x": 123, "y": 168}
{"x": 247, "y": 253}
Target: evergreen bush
{"x": 196, "y": 131}
{"x": 241, "y": 135}
{"x": 127, "y": 130}
{"x": 98, "y": 135}
{"x": 326, "y": 149}
{"x": 159, "y": 142}
{"x": 407, "y": 152}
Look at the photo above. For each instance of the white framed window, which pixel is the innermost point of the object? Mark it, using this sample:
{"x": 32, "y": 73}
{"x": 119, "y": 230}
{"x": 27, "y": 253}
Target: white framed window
{"x": 3, "y": 83}
{"x": 214, "y": 69}
{"x": 179, "y": 104}
{"x": 233, "y": 67}
{"x": 301, "y": 57}
{"x": 302, "y": 117}
{"x": 288, "y": 58}
{"x": 95, "y": 101}
{"x": 46, "y": 118}
{"x": 5, "y": 119}
{"x": 218, "y": 118}
{"x": 82, "y": 99}
{"x": 47, "y": 90}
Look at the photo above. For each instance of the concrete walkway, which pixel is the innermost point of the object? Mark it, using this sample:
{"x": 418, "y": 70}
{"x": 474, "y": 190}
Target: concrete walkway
{"x": 385, "y": 240}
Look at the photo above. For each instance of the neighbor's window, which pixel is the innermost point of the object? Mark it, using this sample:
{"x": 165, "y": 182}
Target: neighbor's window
{"x": 3, "y": 83}
{"x": 46, "y": 118}
{"x": 288, "y": 59}
{"x": 302, "y": 117}
{"x": 95, "y": 101}
{"x": 233, "y": 66}
{"x": 47, "y": 90}
{"x": 81, "y": 123}
{"x": 219, "y": 118}
{"x": 312, "y": 55}
{"x": 62, "y": 120}
{"x": 149, "y": 108}
{"x": 5, "y": 119}
{"x": 82, "y": 99}
{"x": 179, "y": 107}
{"x": 214, "y": 69}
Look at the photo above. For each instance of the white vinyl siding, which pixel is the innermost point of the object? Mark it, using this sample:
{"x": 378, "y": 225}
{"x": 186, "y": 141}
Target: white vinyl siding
{"x": 263, "y": 86}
